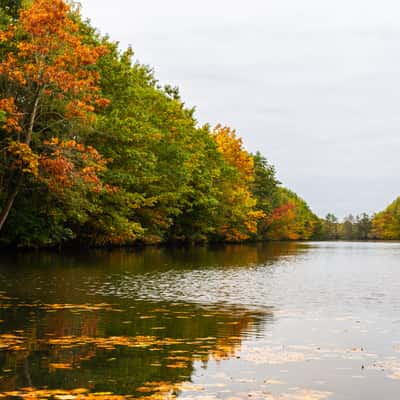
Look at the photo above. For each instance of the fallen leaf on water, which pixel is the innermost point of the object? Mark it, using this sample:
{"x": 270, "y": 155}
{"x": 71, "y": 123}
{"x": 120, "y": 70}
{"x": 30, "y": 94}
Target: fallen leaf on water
{"x": 274, "y": 382}
{"x": 177, "y": 365}
{"x": 11, "y": 342}
{"x": 60, "y": 365}
{"x": 300, "y": 394}
{"x": 179, "y": 358}
{"x": 60, "y": 394}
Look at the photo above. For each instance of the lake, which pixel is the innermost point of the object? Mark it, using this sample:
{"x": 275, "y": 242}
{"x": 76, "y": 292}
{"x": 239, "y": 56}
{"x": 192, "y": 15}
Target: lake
{"x": 261, "y": 321}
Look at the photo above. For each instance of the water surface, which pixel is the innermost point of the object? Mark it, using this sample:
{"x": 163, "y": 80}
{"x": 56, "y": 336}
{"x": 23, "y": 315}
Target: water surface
{"x": 267, "y": 321}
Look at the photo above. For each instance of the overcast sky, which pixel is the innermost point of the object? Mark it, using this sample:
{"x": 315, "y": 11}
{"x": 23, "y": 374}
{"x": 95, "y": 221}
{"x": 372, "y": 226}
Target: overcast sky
{"x": 313, "y": 84}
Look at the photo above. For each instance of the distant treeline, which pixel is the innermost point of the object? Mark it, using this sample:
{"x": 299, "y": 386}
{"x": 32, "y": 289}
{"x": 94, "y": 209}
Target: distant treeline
{"x": 384, "y": 225}
{"x": 94, "y": 151}
{"x": 351, "y": 228}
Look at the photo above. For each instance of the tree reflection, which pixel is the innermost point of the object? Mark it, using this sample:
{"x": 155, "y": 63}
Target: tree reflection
{"x": 143, "y": 349}
{"x": 65, "y": 337}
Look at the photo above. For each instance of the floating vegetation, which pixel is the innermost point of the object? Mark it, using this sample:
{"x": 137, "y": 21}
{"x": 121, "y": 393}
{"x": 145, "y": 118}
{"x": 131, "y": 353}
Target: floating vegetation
{"x": 80, "y": 307}
{"x": 281, "y": 355}
{"x": 60, "y": 366}
{"x": 390, "y": 365}
{"x": 294, "y": 394}
{"x": 76, "y": 342}
{"x": 167, "y": 390}
{"x": 15, "y": 303}
{"x": 274, "y": 382}
{"x": 110, "y": 343}
{"x": 59, "y": 394}
{"x": 273, "y": 355}
{"x": 12, "y": 342}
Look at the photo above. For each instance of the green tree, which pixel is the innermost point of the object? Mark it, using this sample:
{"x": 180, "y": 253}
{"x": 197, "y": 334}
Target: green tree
{"x": 265, "y": 185}
{"x": 10, "y": 8}
{"x": 363, "y": 226}
{"x": 330, "y": 227}
{"x": 347, "y": 230}
{"x": 136, "y": 167}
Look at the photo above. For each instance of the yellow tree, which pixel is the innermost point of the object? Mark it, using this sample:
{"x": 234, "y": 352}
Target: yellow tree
{"x": 47, "y": 79}
{"x": 240, "y": 217}
{"x": 386, "y": 224}
{"x": 231, "y": 147}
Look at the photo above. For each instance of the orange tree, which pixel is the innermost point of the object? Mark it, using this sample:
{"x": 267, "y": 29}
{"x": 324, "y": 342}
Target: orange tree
{"x": 291, "y": 220}
{"x": 48, "y": 93}
{"x": 238, "y": 213}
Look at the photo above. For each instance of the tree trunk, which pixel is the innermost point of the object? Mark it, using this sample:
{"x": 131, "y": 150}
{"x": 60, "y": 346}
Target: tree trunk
{"x": 14, "y": 192}
{"x": 9, "y": 203}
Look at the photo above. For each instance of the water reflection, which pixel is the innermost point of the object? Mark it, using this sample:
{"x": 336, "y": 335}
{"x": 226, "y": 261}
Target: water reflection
{"x": 288, "y": 321}
{"x": 155, "y": 258}
{"x": 125, "y": 322}
{"x": 123, "y": 351}
{"x": 201, "y": 274}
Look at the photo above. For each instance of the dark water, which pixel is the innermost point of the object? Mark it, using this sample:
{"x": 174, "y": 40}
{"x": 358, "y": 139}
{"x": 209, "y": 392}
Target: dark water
{"x": 274, "y": 321}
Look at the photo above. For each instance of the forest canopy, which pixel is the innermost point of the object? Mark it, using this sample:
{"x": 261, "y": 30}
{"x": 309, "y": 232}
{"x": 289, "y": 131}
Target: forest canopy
{"x": 94, "y": 151}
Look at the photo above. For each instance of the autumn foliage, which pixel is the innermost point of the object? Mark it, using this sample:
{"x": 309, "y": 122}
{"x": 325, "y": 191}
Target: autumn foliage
{"x": 386, "y": 224}
{"x": 10, "y": 115}
{"x": 49, "y": 56}
{"x": 231, "y": 147}
{"x": 49, "y": 80}
{"x": 241, "y": 222}
{"x": 69, "y": 162}
{"x": 93, "y": 150}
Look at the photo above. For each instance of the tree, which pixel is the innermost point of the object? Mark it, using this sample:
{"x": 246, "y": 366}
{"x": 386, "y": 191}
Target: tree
{"x": 265, "y": 189}
{"x": 238, "y": 212}
{"x": 363, "y": 226}
{"x": 265, "y": 185}
{"x": 48, "y": 87}
{"x": 386, "y": 224}
{"x": 347, "y": 229}
{"x": 330, "y": 227}
{"x": 292, "y": 219}
{"x": 94, "y": 150}
{"x": 11, "y": 8}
